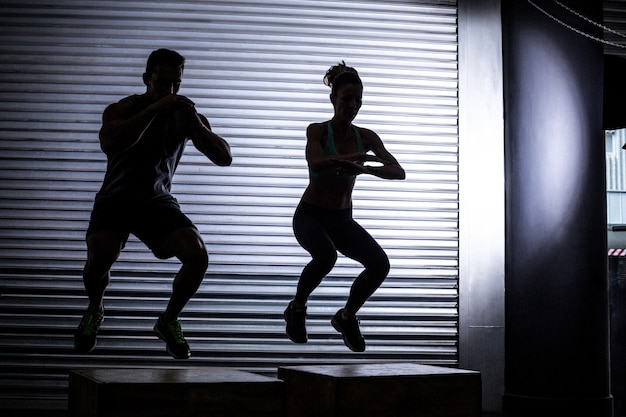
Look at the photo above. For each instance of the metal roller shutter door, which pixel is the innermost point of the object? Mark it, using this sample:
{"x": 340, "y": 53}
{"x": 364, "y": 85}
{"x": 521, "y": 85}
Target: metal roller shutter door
{"x": 254, "y": 69}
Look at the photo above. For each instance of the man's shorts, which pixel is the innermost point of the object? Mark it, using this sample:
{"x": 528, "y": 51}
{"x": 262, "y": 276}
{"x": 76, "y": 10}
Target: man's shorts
{"x": 151, "y": 220}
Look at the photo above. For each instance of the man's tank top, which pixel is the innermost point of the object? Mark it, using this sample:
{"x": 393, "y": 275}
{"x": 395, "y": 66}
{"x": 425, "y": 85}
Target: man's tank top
{"x": 145, "y": 170}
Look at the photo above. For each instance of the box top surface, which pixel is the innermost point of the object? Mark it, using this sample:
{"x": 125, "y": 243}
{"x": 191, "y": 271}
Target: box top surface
{"x": 184, "y": 376}
{"x": 377, "y": 370}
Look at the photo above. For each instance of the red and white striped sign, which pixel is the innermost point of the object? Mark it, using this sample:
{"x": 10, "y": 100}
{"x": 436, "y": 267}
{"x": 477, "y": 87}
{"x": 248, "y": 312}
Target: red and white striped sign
{"x": 617, "y": 252}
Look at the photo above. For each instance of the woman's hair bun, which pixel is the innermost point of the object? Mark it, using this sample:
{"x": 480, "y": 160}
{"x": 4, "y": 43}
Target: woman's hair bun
{"x": 335, "y": 71}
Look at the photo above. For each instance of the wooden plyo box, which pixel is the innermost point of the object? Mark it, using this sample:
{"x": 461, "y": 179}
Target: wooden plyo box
{"x": 381, "y": 390}
{"x": 198, "y": 392}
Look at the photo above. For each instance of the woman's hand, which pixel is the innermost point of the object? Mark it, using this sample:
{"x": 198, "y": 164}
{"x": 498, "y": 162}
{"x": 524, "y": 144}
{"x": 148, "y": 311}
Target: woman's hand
{"x": 347, "y": 167}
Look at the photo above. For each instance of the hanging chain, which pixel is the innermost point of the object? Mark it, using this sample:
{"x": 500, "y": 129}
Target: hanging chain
{"x": 580, "y": 32}
{"x": 593, "y": 22}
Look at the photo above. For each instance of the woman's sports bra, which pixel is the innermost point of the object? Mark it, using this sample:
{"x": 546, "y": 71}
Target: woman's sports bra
{"x": 329, "y": 149}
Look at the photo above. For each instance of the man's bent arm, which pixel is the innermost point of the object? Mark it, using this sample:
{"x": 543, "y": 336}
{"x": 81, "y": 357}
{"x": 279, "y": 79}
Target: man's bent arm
{"x": 121, "y": 130}
{"x": 210, "y": 144}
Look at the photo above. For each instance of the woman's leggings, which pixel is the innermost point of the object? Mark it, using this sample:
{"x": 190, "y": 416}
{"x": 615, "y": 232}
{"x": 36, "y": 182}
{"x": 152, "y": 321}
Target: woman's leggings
{"x": 322, "y": 232}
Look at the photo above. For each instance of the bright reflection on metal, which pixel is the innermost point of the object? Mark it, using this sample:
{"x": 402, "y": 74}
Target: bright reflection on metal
{"x": 554, "y": 143}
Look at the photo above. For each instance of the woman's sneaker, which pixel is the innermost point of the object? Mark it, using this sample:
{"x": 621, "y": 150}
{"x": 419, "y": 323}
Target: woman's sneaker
{"x": 172, "y": 334}
{"x": 85, "y": 335}
{"x": 349, "y": 328}
{"x": 295, "y": 319}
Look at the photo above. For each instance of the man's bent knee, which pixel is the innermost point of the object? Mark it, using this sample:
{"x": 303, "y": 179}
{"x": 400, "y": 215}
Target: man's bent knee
{"x": 189, "y": 248}
{"x": 103, "y": 249}
{"x": 199, "y": 260}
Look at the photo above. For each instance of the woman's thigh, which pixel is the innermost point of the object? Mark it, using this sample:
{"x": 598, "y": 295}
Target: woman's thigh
{"x": 313, "y": 236}
{"x": 353, "y": 241}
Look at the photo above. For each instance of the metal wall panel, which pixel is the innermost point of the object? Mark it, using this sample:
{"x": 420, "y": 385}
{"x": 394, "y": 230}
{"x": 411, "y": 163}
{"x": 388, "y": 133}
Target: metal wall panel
{"x": 615, "y": 27}
{"x": 254, "y": 68}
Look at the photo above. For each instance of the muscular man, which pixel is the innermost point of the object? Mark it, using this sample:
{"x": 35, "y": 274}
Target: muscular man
{"x": 143, "y": 137}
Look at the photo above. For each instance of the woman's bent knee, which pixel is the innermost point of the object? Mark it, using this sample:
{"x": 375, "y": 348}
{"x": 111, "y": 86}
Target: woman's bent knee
{"x": 379, "y": 267}
{"x": 325, "y": 263}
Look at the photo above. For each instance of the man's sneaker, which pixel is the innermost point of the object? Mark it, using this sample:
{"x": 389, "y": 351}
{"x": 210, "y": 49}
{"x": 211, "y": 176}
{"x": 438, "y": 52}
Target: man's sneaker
{"x": 172, "y": 334}
{"x": 85, "y": 335}
{"x": 349, "y": 328}
{"x": 295, "y": 318}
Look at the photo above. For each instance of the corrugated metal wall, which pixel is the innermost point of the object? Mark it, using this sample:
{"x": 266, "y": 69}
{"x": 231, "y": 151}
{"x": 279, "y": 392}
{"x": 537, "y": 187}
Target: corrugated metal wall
{"x": 615, "y": 21}
{"x": 254, "y": 69}
{"x": 615, "y": 35}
